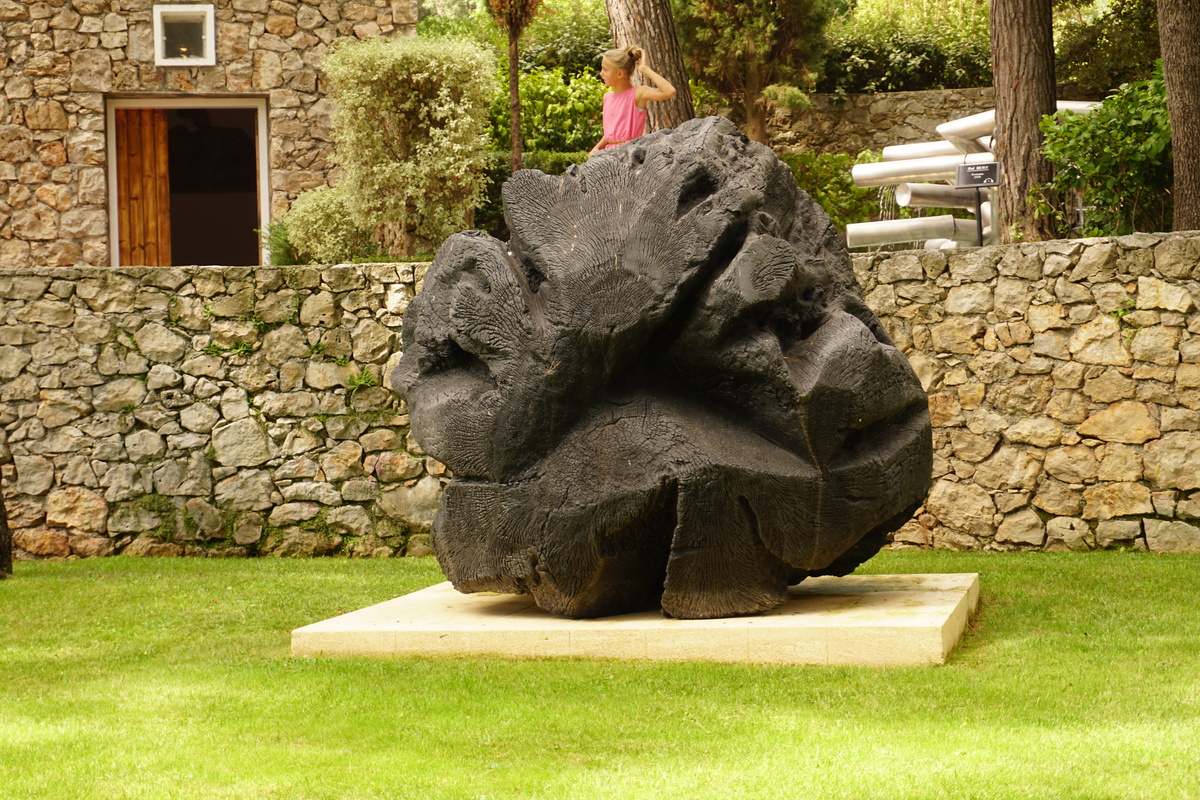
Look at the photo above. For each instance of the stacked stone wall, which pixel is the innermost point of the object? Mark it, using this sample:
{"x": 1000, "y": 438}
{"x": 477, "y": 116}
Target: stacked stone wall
{"x": 851, "y": 123}
{"x": 60, "y": 60}
{"x": 242, "y": 411}
{"x": 209, "y": 411}
{"x": 1064, "y": 387}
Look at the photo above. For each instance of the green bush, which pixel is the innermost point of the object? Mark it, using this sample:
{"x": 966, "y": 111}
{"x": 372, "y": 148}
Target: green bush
{"x": 558, "y": 113}
{"x": 489, "y": 214}
{"x": 320, "y": 230}
{"x": 891, "y": 47}
{"x": 570, "y": 34}
{"x": 410, "y": 129}
{"x": 1118, "y": 46}
{"x": 826, "y": 179}
{"x": 899, "y": 61}
{"x": 1118, "y": 158}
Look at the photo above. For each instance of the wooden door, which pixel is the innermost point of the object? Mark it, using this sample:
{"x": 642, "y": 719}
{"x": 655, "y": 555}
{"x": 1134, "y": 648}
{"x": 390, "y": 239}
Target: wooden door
{"x": 143, "y": 187}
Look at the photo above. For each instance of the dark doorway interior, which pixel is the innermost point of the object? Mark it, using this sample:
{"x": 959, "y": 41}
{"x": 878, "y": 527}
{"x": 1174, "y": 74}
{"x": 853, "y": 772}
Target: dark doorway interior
{"x": 214, "y": 186}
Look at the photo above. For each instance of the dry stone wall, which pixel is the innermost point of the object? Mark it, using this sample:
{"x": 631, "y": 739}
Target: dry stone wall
{"x": 1064, "y": 386}
{"x": 241, "y": 411}
{"x": 851, "y": 123}
{"x": 61, "y": 59}
{"x": 209, "y": 411}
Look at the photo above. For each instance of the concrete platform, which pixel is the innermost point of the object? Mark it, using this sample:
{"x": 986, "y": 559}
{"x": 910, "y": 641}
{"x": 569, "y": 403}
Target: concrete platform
{"x": 859, "y": 620}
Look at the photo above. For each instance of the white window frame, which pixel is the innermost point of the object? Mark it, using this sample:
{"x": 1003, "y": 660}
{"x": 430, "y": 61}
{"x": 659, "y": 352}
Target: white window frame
{"x": 198, "y": 13}
{"x": 262, "y": 152}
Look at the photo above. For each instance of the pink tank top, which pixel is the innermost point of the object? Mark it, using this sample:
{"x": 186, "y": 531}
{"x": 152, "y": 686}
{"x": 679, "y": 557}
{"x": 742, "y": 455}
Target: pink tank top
{"x": 623, "y": 120}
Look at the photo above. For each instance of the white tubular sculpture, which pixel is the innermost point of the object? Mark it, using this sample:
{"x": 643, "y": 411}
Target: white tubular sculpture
{"x": 899, "y": 231}
{"x": 917, "y": 167}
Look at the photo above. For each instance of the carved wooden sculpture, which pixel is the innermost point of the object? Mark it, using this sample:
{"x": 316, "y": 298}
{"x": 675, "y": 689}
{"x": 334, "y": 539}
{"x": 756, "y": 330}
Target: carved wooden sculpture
{"x": 666, "y": 388}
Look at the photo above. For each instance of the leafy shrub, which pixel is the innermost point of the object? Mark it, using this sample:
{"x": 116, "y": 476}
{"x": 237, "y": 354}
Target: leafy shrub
{"x": 558, "y": 113}
{"x": 887, "y": 46}
{"x": 320, "y": 230}
{"x": 280, "y": 252}
{"x": 570, "y": 34}
{"x": 489, "y": 214}
{"x": 1118, "y": 46}
{"x": 410, "y": 128}
{"x": 826, "y": 179}
{"x": 899, "y": 61}
{"x": 1118, "y": 158}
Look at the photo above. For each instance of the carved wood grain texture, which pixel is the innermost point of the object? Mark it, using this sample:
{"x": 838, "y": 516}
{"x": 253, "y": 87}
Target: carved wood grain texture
{"x": 665, "y": 389}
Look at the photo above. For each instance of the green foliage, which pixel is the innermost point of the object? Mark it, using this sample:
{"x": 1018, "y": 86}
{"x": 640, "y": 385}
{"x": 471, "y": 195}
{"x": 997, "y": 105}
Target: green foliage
{"x": 489, "y": 214}
{"x": 565, "y": 33}
{"x": 320, "y": 228}
{"x": 362, "y": 379}
{"x": 1118, "y": 158}
{"x": 568, "y": 34}
{"x": 410, "y": 126}
{"x": 909, "y": 47}
{"x": 1118, "y": 45}
{"x": 739, "y": 49}
{"x": 826, "y": 179}
{"x": 558, "y": 112}
{"x": 275, "y": 241}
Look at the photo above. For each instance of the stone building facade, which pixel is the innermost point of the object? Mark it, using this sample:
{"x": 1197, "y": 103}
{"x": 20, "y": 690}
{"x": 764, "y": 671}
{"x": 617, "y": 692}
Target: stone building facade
{"x": 239, "y": 411}
{"x": 240, "y": 137}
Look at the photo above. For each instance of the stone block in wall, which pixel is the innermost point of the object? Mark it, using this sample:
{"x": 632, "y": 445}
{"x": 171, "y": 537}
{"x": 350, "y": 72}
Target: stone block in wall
{"x": 962, "y": 506}
{"x": 1069, "y": 534}
{"x": 1106, "y": 501}
{"x": 1118, "y": 533}
{"x": 1163, "y": 536}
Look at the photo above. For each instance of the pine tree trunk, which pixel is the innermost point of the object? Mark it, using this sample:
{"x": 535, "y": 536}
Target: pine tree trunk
{"x": 514, "y": 98}
{"x": 649, "y": 24}
{"x": 1023, "y": 69}
{"x": 753, "y": 105}
{"x": 1179, "y": 37}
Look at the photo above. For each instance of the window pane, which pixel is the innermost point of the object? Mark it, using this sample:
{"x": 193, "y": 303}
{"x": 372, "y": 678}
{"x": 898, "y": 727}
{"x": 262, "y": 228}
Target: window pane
{"x": 183, "y": 38}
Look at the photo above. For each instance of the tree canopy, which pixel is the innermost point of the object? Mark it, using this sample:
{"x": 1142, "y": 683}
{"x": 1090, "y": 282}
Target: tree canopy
{"x": 742, "y": 49}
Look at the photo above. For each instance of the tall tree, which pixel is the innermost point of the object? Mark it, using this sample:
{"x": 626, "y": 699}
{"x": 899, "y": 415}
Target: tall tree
{"x": 1023, "y": 74}
{"x": 744, "y": 50}
{"x": 649, "y": 24}
{"x": 1179, "y": 36}
{"x": 514, "y": 16}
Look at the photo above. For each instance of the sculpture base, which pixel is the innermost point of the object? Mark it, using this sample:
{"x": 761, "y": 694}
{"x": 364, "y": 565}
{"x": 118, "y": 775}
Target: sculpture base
{"x": 859, "y": 620}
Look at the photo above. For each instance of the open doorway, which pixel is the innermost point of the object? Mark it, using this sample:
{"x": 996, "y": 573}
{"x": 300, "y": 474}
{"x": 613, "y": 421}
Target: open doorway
{"x": 187, "y": 181}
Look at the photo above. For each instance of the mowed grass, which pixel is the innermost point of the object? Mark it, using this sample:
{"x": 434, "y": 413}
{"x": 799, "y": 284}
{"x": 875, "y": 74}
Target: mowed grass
{"x": 142, "y": 678}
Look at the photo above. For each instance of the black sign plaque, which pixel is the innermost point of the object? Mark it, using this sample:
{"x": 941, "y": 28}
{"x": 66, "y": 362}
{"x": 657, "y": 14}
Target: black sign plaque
{"x": 969, "y": 176}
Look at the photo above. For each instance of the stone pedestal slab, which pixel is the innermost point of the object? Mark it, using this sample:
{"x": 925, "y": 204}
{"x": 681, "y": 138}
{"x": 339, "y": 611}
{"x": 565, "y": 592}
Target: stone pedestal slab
{"x": 859, "y": 620}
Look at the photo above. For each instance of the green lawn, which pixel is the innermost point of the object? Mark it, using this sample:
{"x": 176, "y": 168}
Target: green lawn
{"x": 142, "y": 678}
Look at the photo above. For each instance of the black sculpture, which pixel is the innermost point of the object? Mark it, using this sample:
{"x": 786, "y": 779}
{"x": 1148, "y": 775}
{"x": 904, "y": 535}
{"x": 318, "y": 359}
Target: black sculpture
{"x": 666, "y": 388}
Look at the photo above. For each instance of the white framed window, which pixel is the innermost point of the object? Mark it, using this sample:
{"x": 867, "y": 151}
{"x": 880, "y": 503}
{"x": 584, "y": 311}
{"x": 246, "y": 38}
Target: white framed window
{"x": 184, "y": 36}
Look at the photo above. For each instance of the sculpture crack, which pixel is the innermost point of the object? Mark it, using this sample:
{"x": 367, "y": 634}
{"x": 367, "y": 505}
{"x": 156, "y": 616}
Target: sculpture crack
{"x": 664, "y": 391}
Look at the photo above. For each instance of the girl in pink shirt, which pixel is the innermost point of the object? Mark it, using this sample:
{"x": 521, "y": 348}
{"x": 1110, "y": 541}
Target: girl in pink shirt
{"x": 625, "y": 105}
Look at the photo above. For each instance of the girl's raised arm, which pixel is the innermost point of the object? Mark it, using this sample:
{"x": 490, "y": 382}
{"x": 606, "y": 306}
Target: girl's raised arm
{"x": 661, "y": 90}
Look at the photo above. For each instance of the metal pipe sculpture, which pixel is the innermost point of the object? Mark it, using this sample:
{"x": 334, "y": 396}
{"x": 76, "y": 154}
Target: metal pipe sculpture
{"x": 965, "y": 141}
